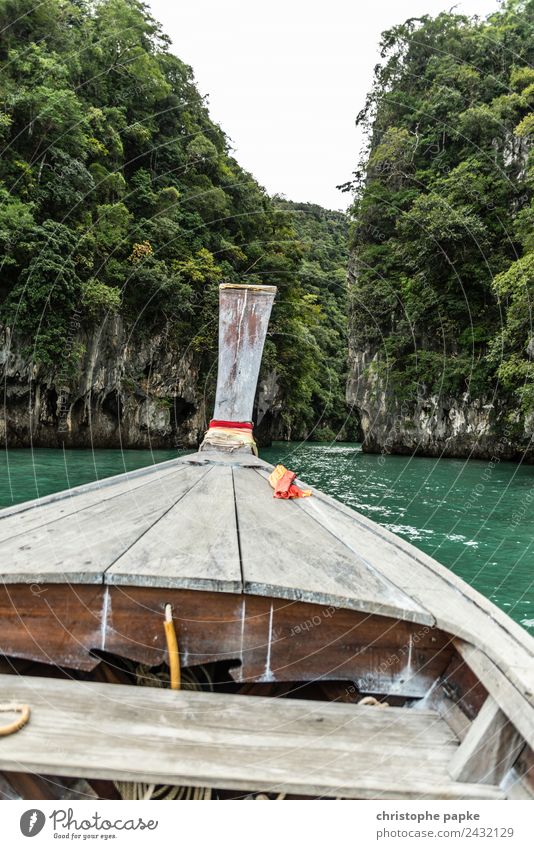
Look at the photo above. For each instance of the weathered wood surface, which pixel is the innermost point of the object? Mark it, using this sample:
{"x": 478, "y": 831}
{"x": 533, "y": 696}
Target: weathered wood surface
{"x": 404, "y": 564}
{"x": 193, "y": 545}
{"x": 463, "y": 686}
{"x": 286, "y": 553}
{"x": 505, "y": 694}
{"x": 213, "y": 457}
{"x": 82, "y": 544}
{"x": 57, "y": 624}
{"x": 177, "y": 525}
{"x": 447, "y": 708}
{"x": 453, "y": 716}
{"x": 455, "y": 606}
{"x": 306, "y": 642}
{"x": 489, "y": 749}
{"x": 236, "y": 742}
{"x": 244, "y": 313}
{"x": 261, "y": 638}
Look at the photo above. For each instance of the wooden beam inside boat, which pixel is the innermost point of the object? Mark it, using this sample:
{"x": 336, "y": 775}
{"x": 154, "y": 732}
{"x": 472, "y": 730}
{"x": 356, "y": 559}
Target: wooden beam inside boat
{"x": 268, "y": 639}
{"x": 489, "y": 749}
{"x": 123, "y": 733}
{"x": 508, "y": 697}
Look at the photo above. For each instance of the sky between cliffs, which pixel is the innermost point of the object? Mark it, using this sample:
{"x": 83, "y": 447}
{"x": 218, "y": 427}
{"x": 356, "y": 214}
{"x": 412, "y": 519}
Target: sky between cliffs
{"x": 286, "y": 78}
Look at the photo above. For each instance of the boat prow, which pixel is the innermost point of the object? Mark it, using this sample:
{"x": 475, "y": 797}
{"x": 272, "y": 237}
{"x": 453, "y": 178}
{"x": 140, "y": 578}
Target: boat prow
{"x": 300, "y": 599}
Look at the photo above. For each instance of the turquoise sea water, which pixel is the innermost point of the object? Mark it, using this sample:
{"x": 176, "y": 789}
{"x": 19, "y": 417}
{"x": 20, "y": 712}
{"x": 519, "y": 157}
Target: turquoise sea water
{"x": 473, "y": 516}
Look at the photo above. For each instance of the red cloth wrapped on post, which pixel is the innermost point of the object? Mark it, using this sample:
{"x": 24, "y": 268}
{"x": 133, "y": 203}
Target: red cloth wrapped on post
{"x": 231, "y": 425}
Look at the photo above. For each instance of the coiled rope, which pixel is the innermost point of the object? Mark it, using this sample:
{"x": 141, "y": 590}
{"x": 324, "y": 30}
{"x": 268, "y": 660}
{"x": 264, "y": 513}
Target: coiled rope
{"x": 370, "y": 700}
{"x": 17, "y": 724}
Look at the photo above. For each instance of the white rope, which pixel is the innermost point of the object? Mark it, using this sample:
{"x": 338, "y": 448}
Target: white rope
{"x": 140, "y": 791}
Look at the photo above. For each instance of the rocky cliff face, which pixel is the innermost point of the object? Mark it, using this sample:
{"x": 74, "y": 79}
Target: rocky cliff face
{"x": 123, "y": 392}
{"x": 432, "y": 425}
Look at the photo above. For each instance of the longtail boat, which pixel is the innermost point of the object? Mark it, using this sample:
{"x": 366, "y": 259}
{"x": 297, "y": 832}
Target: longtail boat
{"x": 178, "y": 632}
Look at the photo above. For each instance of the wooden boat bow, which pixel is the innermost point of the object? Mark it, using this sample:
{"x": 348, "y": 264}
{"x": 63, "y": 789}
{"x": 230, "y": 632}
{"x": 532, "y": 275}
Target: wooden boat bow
{"x": 278, "y": 591}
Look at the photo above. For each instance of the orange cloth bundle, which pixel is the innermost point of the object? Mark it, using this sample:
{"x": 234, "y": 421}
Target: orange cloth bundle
{"x": 281, "y": 480}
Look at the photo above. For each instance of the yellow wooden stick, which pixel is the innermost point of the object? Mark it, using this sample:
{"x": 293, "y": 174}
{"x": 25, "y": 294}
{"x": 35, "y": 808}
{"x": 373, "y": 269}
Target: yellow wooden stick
{"x": 172, "y": 649}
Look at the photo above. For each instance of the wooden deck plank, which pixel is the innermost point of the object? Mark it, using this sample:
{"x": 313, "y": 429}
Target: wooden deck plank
{"x": 193, "y": 546}
{"x": 287, "y": 554}
{"x": 242, "y": 458}
{"x": 81, "y": 547}
{"x": 235, "y": 742}
{"x": 405, "y": 564}
{"x": 315, "y": 549}
{"x": 94, "y": 486}
{"x": 74, "y": 501}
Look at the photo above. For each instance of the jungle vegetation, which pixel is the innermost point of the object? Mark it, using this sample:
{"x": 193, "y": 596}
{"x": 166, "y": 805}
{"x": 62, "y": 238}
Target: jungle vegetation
{"x": 322, "y": 235}
{"x": 443, "y": 238}
{"x": 119, "y": 195}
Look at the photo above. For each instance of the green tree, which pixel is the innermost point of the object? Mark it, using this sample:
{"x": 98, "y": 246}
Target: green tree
{"x": 443, "y": 206}
{"x": 119, "y": 194}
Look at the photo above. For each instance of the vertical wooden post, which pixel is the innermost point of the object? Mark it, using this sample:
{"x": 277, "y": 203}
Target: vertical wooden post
{"x": 244, "y": 313}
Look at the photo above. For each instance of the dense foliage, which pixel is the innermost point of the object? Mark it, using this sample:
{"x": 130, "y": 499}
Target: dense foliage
{"x": 118, "y": 194}
{"x": 443, "y": 238}
{"x": 322, "y": 237}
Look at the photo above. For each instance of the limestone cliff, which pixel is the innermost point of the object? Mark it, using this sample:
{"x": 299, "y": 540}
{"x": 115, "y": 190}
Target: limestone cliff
{"x": 433, "y": 425}
{"x": 125, "y": 391}
{"x": 121, "y": 394}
